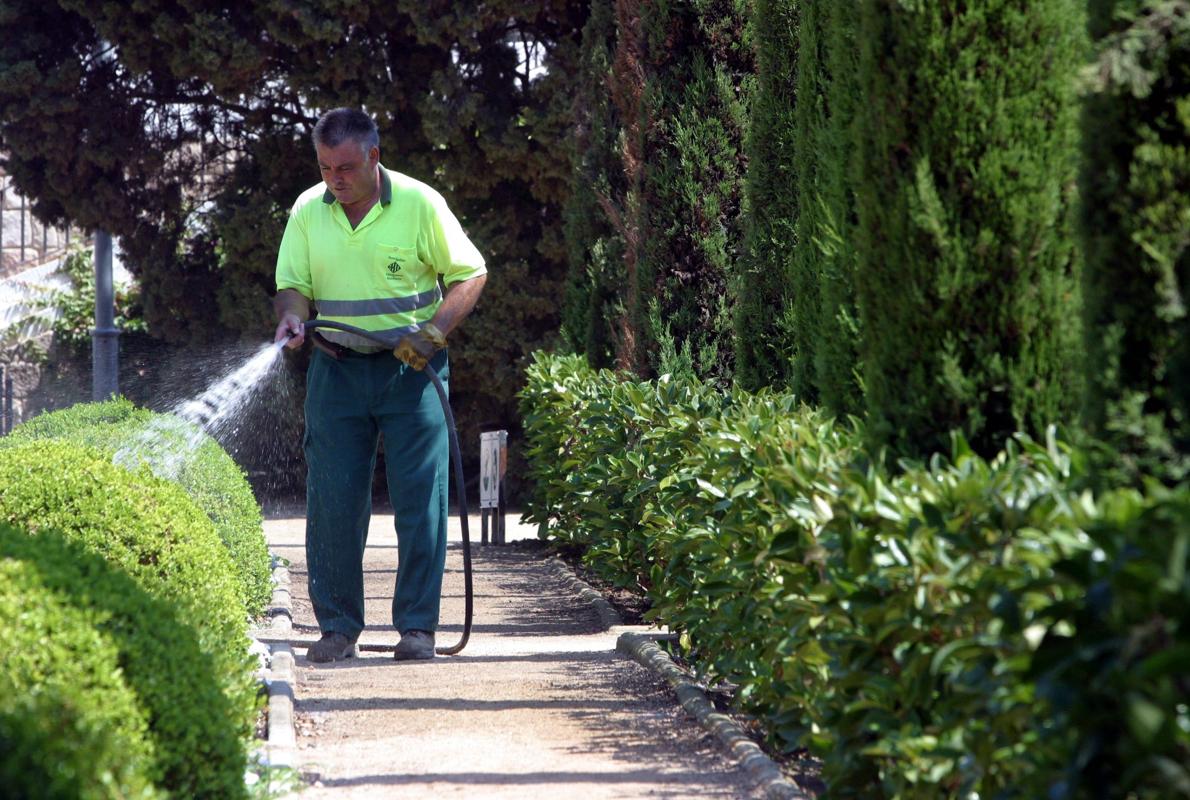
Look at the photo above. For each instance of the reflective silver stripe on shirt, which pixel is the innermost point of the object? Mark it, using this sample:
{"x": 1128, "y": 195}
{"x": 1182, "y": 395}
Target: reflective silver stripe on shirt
{"x": 387, "y": 305}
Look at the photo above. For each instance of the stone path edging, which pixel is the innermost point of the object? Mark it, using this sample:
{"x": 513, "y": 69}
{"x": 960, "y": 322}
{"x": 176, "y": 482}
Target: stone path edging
{"x": 282, "y": 741}
{"x": 280, "y": 610}
{"x": 644, "y": 650}
{"x": 282, "y": 738}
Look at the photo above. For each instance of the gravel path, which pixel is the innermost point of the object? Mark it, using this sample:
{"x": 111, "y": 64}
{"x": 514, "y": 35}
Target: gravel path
{"x": 539, "y": 704}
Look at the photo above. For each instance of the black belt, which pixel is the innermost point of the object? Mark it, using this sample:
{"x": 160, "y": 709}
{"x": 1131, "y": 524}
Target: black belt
{"x": 335, "y": 351}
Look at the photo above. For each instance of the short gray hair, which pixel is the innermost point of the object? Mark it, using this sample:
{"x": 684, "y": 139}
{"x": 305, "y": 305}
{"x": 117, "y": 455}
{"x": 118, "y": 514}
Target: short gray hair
{"x": 340, "y": 124}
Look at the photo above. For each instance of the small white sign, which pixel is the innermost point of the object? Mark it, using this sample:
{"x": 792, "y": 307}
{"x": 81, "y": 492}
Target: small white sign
{"x": 493, "y": 460}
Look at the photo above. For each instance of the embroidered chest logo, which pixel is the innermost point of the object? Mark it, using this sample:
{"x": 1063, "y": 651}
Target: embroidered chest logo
{"x": 393, "y": 267}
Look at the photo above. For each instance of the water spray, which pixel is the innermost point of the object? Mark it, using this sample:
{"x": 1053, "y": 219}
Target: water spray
{"x": 455, "y": 456}
{"x": 168, "y": 443}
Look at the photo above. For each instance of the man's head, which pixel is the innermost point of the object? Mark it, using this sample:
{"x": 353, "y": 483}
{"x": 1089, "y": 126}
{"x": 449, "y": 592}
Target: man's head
{"x": 348, "y": 148}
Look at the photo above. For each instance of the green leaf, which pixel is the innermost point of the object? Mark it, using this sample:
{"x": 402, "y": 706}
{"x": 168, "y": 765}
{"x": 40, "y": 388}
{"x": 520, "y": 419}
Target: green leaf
{"x": 1145, "y": 718}
{"x": 710, "y": 488}
{"x": 952, "y": 648}
{"x": 811, "y": 652}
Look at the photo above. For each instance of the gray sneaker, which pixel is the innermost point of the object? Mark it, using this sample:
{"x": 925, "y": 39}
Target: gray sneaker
{"x": 415, "y": 645}
{"x": 333, "y": 646}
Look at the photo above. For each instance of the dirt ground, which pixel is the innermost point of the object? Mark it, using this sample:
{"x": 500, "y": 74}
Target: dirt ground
{"x": 539, "y": 704}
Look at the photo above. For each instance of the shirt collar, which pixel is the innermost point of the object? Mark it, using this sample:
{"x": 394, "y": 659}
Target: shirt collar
{"x": 386, "y": 190}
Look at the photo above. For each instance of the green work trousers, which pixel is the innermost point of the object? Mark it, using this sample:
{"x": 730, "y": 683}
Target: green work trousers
{"x": 349, "y": 403}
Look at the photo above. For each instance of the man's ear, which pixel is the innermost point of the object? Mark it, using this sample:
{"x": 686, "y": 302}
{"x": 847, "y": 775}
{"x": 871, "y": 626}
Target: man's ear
{"x": 374, "y": 155}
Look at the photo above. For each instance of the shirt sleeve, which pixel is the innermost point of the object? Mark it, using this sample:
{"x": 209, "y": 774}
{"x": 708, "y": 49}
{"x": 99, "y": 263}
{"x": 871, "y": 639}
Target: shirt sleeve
{"x": 293, "y": 257}
{"x": 446, "y": 247}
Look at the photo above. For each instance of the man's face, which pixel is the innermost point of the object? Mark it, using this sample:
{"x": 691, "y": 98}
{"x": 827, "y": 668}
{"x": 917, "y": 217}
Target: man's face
{"x": 349, "y": 170}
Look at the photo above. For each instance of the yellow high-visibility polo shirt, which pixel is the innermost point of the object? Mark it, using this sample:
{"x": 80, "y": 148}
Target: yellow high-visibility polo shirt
{"x": 382, "y": 276}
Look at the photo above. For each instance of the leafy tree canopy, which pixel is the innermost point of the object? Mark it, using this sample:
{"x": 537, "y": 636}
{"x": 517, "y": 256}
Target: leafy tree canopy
{"x": 183, "y": 127}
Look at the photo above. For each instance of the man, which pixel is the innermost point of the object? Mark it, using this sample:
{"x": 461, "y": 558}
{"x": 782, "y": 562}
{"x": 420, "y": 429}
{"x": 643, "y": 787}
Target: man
{"x": 367, "y": 247}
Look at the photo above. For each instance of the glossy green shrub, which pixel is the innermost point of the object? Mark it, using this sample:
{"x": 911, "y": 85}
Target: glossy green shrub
{"x": 1115, "y": 661}
{"x": 149, "y": 528}
{"x": 197, "y": 738}
{"x": 906, "y": 643}
{"x": 967, "y": 627}
{"x": 601, "y": 449}
{"x": 177, "y": 450}
{"x": 70, "y": 726}
{"x": 563, "y": 433}
{"x": 659, "y": 420}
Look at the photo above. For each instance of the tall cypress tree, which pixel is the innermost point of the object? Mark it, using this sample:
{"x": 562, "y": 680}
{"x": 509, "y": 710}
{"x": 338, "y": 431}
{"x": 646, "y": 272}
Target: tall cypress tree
{"x": 764, "y": 291}
{"x": 837, "y": 367}
{"x": 595, "y": 249}
{"x": 1135, "y": 184}
{"x": 671, "y": 206}
{"x": 625, "y": 210}
{"x": 805, "y": 313}
{"x": 603, "y": 315}
{"x": 797, "y": 324}
{"x": 698, "y": 64}
{"x": 966, "y": 271}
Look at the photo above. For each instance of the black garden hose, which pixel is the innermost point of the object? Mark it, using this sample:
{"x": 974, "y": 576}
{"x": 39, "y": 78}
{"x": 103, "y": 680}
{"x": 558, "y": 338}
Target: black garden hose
{"x": 455, "y": 456}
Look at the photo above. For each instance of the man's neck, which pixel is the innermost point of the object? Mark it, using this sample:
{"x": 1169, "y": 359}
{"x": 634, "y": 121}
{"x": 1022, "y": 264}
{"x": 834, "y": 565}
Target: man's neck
{"x": 358, "y": 210}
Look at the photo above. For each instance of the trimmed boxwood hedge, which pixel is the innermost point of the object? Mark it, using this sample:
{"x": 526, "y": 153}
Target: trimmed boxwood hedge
{"x": 198, "y": 737}
{"x": 70, "y": 726}
{"x": 967, "y": 627}
{"x": 196, "y": 461}
{"x": 150, "y": 528}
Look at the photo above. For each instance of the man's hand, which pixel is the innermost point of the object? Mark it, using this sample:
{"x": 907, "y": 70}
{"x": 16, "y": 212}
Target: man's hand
{"x": 292, "y": 309}
{"x": 290, "y": 327}
{"x": 417, "y": 348}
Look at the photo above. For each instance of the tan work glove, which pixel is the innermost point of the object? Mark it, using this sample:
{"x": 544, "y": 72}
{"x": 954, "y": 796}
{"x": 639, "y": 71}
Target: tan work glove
{"x": 417, "y": 348}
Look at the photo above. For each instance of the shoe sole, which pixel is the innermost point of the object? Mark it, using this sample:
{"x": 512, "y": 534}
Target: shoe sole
{"x": 399, "y": 656}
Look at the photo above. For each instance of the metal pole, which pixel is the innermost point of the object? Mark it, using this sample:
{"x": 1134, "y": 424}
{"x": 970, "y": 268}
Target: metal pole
{"x": 501, "y": 511}
{"x": 498, "y": 525}
{"x": 105, "y": 345}
{"x": 10, "y": 417}
{"x": 22, "y": 229}
{"x": 3, "y": 412}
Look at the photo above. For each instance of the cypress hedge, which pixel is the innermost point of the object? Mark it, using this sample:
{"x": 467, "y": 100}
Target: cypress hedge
{"x": 1134, "y": 184}
{"x": 763, "y": 331}
{"x": 837, "y": 366}
{"x": 654, "y": 244}
{"x": 699, "y": 62}
{"x": 966, "y": 269}
{"x": 593, "y": 302}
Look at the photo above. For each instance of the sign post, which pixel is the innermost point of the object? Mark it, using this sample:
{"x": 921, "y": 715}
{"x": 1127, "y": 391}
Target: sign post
{"x": 493, "y": 462}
